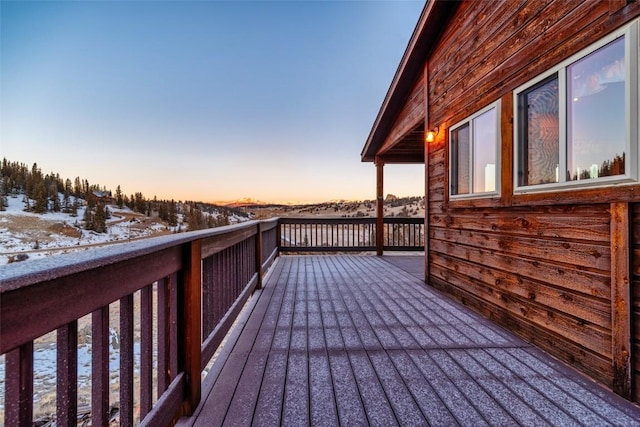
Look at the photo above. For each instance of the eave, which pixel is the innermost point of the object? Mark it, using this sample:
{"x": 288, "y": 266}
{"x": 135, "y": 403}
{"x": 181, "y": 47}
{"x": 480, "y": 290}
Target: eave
{"x": 432, "y": 19}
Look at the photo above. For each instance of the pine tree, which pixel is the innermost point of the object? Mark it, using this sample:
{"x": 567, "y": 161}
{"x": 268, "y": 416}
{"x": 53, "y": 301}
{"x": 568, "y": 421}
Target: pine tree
{"x": 66, "y": 199}
{"x": 173, "y": 215}
{"x": 74, "y": 207}
{"x": 100, "y": 219}
{"x": 39, "y": 198}
{"x": 119, "y": 199}
{"x": 77, "y": 187}
{"x": 88, "y": 219}
{"x": 53, "y": 196}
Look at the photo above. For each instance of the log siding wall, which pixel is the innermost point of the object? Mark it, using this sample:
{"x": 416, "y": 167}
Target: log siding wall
{"x": 539, "y": 264}
{"x": 635, "y": 295}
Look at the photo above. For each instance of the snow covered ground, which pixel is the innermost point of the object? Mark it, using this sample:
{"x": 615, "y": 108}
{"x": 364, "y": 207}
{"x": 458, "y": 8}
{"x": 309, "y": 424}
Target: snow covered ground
{"x": 40, "y": 235}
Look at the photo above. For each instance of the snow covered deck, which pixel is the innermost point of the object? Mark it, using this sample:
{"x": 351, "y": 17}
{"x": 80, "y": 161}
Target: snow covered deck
{"x": 357, "y": 340}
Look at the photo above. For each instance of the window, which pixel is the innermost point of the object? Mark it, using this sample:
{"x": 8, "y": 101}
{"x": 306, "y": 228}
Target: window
{"x": 577, "y": 125}
{"x": 474, "y": 155}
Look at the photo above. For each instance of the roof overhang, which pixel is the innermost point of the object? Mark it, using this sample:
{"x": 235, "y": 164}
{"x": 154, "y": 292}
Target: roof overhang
{"x": 433, "y": 18}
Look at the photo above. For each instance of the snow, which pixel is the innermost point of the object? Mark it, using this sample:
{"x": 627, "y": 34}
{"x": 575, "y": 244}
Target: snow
{"x": 42, "y": 236}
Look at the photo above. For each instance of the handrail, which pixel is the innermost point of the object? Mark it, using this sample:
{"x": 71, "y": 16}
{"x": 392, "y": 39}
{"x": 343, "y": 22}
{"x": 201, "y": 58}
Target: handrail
{"x": 216, "y": 269}
{"x": 314, "y": 234}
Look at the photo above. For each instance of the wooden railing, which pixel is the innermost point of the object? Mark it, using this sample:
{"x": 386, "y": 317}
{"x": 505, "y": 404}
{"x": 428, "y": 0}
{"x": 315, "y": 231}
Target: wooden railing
{"x": 190, "y": 286}
{"x": 350, "y": 234}
{"x": 175, "y": 298}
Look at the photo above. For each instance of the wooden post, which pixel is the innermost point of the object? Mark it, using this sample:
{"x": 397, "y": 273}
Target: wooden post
{"x": 19, "y": 386}
{"x": 190, "y": 318}
{"x": 620, "y": 300}
{"x": 100, "y": 367}
{"x": 426, "y": 172}
{"x": 380, "y": 207}
{"x": 278, "y": 237}
{"x": 259, "y": 255}
{"x": 67, "y": 375}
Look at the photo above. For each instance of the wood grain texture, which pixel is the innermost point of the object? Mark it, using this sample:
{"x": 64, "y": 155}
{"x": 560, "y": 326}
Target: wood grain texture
{"x": 411, "y": 115}
{"x": 355, "y": 340}
{"x": 621, "y": 299}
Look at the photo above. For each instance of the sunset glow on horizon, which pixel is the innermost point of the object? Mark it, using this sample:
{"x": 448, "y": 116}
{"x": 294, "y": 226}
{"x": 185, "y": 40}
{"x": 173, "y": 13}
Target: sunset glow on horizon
{"x": 210, "y": 101}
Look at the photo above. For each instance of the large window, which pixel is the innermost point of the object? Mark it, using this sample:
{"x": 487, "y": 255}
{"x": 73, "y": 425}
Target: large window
{"x": 577, "y": 125}
{"x": 474, "y": 155}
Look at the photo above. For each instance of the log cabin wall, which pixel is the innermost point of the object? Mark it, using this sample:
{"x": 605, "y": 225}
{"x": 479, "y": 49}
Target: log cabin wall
{"x": 635, "y": 286}
{"x": 539, "y": 264}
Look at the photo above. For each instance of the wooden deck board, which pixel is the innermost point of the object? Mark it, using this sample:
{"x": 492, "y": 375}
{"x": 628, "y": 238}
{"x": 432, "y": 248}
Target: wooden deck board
{"x": 356, "y": 340}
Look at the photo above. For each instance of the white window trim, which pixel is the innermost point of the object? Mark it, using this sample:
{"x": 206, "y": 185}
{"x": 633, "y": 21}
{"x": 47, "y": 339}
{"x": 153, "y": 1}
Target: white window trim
{"x": 469, "y": 120}
{"x": 632, "y": 123}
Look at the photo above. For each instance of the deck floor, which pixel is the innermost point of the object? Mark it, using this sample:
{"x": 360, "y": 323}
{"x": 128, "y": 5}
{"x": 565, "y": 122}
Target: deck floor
{"x": 356, "y": 340}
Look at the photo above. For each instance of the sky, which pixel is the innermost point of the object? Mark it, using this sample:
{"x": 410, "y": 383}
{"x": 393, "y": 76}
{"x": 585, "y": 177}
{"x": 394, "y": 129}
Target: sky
{"x": 204, "y": 100}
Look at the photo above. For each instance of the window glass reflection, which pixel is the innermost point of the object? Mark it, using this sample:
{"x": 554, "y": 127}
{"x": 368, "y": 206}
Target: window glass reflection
{"x": 596, "y": 114}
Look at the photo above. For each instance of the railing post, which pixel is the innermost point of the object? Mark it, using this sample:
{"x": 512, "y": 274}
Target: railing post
{"x": 258, "y": 251}
{"x": 100, "y": 367}
{"x": 67, "y": 375}
{"x": 190, "y": 347}
{"x": 19, "y": 386}
{"x": 279, "y": 236}
{"x": 379, "y": 207}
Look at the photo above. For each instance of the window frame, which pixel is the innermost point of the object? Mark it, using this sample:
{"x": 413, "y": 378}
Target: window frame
{"x": 496, "y": 105}
{"x": 631, "y": 120}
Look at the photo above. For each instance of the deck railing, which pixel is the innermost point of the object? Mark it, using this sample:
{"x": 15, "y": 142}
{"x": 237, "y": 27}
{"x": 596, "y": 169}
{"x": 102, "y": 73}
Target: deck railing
{"x": 191, "y": 286}
{"x": 176, "y": 295}
{"x": 350, "y": 234}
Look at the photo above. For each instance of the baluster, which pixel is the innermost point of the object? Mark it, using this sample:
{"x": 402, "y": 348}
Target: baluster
{"x": 146, "y": 350}
{"x": 126, "y": 360}
{"x": 19, "y": 386}
{"x": 100, "y": 367}
{"x": 217, "y": 287}
{"x": 173, "y": 327}
{"x": 208, "y": 315}
{"x": 164, "y": 316}
{"x": 67, "y": 375}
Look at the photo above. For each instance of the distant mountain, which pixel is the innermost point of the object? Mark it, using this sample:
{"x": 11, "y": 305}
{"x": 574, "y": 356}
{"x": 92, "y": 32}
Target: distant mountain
{"x": 241, "y": 203}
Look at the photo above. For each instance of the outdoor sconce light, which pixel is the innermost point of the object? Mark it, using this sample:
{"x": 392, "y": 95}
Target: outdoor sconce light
{"x": 431, "y": 134}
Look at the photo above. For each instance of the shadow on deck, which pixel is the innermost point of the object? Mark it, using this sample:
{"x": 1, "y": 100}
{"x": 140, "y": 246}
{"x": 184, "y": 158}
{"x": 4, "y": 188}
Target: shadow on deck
{"x": 358, "y": 340}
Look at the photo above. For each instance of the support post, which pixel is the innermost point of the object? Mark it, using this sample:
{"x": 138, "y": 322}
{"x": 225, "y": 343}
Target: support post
{"x": 258, "y": 253}
{"x": 425, "y": 89}
{"x": 379, "y": 207}
{"x": 19, "y": 386}
{"x": 190, "y": 318}
{"x": 621, "y": 300}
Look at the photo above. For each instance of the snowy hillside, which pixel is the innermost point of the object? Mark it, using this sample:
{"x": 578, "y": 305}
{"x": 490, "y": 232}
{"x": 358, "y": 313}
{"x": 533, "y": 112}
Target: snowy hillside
{"x": 39, "y": 235}
{"x": 27, "y": 235}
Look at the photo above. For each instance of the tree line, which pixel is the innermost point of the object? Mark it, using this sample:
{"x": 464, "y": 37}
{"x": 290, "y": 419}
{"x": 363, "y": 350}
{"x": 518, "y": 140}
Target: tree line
{"x": 44, "y": 193}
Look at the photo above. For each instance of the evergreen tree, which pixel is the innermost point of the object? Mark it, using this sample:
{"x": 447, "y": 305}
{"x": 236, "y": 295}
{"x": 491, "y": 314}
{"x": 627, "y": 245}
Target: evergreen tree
{"x": 173, "y": 215}
{"x": 4, "y": 182}
{"x": 74, "y": 207}
{"x": 77, "y": 187}
{"x": 100, "y": 219}
{"x": 66, "y": 200}
{"x": 119, "y": 199}
{"x": 39, "y": 198}
{"x": 88, "y": 219}
{"x": 53, "y": 196}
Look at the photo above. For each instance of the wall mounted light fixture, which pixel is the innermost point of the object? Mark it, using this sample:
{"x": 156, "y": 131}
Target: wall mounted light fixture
{"x": 431, "y": 134}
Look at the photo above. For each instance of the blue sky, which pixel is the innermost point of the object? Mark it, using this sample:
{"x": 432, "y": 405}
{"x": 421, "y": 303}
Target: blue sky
{"x": 203, "y": 100}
